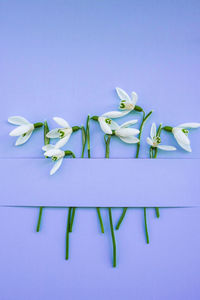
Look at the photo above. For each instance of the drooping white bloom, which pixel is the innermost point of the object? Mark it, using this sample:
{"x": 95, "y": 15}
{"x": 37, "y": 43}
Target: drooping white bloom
{"x": 126, "y": 134}
{"x": 62, "y": 133}
{"x": 180, "y": 133}
{"x": 56, "y": 155}
{"x": 154, "y": 140}
{"x": 123, "y": 131}
{"x": 127, "y": 104}
{"x": 24, "y": 129}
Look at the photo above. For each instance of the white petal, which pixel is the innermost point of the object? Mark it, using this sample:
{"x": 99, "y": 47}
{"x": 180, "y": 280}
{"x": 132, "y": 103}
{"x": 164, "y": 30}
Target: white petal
{"x": 153, "y": 131}
{"x": 134, "y": 98}
{"x": 166, "y": 148}
{"x": 180, "y": 136}
{"x": 123, "y": 95}
{"x": 56, "y": 166}
{"x": 21, "y": 130}
{"x": 129, "y": 140}
{"x": 23, "y": 138}
{"x": 61, "y": 122}
{"x": 48, "y": 147}
{"x": 54, "y": 152}
{"x": 104, "y": 126}
{"x": 181, "y": 139}
{"x": 124, "y": 132}
{"x": 116, "y": 114}
{"x": 189, "y": 125}
{"x": 149, "y": 141}
{"x": 53, "y": 134}
{"x": 17, "y": 120}
{"x": 114, "y": 125}
{"x": 62, "y": 141}
{"x": 186, "y": 147}
{"x": 128, "y": 123}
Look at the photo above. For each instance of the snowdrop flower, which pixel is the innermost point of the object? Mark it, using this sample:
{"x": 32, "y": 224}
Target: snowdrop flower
{"x": 180, "y": 133}
{"x": 126, "y": 134}
{"x": 62, "y": 133}
{"x": 56, "y": 155}
{"x": 128, "y": 104}
{"x": 154, "y": 140}
{"x": 24, "y": 129}
{"x": 123, "y": 131}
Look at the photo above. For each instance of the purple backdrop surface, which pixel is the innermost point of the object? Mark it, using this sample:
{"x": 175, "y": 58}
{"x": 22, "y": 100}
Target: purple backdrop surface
{"x": 64, "y": 58}
{"x": 101, "y": 183}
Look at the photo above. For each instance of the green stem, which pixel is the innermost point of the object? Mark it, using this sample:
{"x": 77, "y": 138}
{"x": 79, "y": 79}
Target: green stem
{"x": 39, "y": 219}
{"x": 107, "y": 142}
{"x": 121, "y": 218}
{"x": 83, "y": 141}
{"x": 100, "y": 219}
{"x": 144, "y": 119}
{"x": 155, "y": 155}
{"x": 67, "y": 233}
{"x": 146, "y": 228}
{"x": 46, "y": 142}
{"x": 89, "y": 156}
{"x": 72, "y": 219}
{"x": 157, "y": 212}
{"x": 113, "y": 237}
{"x": 88, "y": 135}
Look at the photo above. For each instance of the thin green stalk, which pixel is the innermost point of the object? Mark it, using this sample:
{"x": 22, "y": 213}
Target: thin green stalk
{"x": 88, "y": 135}
{"x": 146, "y": 228}
{"x": 107, "y": 155}
{"x": 155, "y": 155}
{"x": 72, "y": 219}
{"x": 39, "y": 219}
{"x": 46, "y": 142}
{"x": 100, "y": 219}
{"x": 113, "y": 238}
{"x": 82, "y": 156}
{"x": 89, "y": 156}
{"x": 144, "y": 119}
{"x": 121, "y": 218}
{"x": 83, "y": 141}
{"x": 107, "y": 142}
{"x": 67, "y": 234}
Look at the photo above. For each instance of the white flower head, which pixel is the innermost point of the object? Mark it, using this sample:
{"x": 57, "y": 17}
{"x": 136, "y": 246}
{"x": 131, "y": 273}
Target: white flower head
{"x": 127, "y": 103}
{"x": 63, "y": 133}
{"x": 180, "y": 133}
{"x": 24, "y": 129}
{"x": 126, "y": 134}
{"x": 56, "y": 155}
{"x": 154, "y": 140}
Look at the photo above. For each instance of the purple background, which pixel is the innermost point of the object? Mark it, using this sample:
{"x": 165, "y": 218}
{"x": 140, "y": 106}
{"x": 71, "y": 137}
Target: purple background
{"x": 65, "y": 58}
{"x": 102, "y": 183}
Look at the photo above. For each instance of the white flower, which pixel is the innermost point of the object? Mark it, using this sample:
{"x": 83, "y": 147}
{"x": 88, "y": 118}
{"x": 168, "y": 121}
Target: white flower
{"x": 126, "y": 134}
{"x": 180, "y": 133}
{"x": 154, "y": 140}
{"x": 24, "y": 129}
{"x": 127, "y": 103}
{"x": 56, "y": 155}
{"x": 62, "y": 133}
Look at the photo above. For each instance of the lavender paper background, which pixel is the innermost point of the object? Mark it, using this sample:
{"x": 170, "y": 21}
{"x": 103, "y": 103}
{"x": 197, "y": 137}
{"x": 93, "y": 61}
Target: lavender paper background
{"x": 67, "y": 56}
